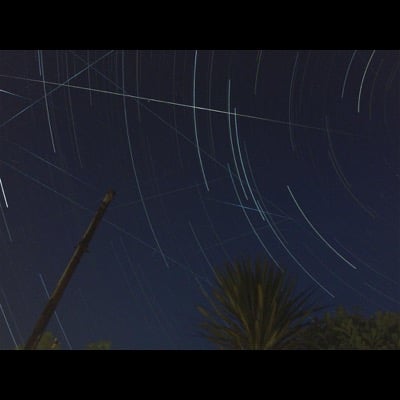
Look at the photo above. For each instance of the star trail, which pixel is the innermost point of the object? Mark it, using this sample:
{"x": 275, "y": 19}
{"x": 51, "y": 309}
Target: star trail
{"x": 214, "y": 155}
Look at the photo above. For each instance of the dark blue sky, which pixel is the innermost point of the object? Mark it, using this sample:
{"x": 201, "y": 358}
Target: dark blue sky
{"x": 306, "y": 172}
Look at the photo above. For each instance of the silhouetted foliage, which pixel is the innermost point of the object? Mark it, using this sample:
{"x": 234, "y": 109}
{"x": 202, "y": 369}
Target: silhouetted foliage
{"x": 99, "y": 345}
{"x": 48, "y": 341}
{"x": 343, "y": 331}
{"x": 254, "y": 306}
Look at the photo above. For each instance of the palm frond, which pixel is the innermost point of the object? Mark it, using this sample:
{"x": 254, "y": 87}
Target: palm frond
{"x": 254, "y": 306}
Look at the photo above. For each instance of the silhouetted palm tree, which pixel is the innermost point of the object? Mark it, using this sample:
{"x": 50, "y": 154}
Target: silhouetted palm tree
{"x": 254, "y": 306}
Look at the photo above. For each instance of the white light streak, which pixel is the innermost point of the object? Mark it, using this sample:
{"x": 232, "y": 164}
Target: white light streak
{"x": 250, "y": 223}
{"x": 14, "y": 94}
{"x": 362, "y": 81}
{"x": 5, "y": 223}
{"x": 150, "y": 99}
{"x": 195, "y": 124}
{"x": 134, "y": 169}
{"x": 59, "y": 85}
{"x": 46, "y": 103}
{"x": 319, "y": 235}
{"x": 290, "y": 102}
{"x": 201, "y": 248}
{"x": 231, "y": 139}
{"x": 347, "y": 72}
{"x": 55, "y": 313}
{"x": 8, "y": 326}
{"x": 4, "y": 195}
{"x": 296, "y": 260}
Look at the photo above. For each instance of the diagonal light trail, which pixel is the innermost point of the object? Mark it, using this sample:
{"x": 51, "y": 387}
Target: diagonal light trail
{"x": 244, "y": 170}
{"x": 107, "y": 221}
{"x": 8, "y": 326}
{"x": 250, "y": 208}
{"x": 318, "y": 234}
{"x": 381, "y": 293}
{"x": 201, "y": 248}
{"x": 4, "y": 195}
{"x": 12, "y": 316}
{"x": 150, "y": 99}
{"x": 296, "y": 260}
{"x": 166, "y": 123}
{"x": 340, "y": 174}
{"x": 290, "y": 102}
{"x": 249, "y": 221}
{"x": 347, "y": 72}
{"x": 45, "y": 100}
{"x": 55, "y": 313}
{"x": 38, "y": 157}
{"x": 14, "y": 94}
{"x": 231, "y": 139}
{"x": 362, "y": 81}
{"x": 135, "y": 172}
{"x": 5, "y": 223}
{"x": 195, "y": 123}
{"x": 260, "y": 196}
{"x": 59, "y": 85}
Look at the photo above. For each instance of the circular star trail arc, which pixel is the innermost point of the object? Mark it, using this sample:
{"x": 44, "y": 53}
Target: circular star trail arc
{"x": 215, "y": 155}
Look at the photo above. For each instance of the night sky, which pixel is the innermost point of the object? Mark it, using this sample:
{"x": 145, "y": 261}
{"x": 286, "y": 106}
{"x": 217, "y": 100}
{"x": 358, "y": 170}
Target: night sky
{"x": 214, "y": 155}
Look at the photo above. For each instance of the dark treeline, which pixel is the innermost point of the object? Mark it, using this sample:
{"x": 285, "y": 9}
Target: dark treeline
{"x": 255, "y": 306}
